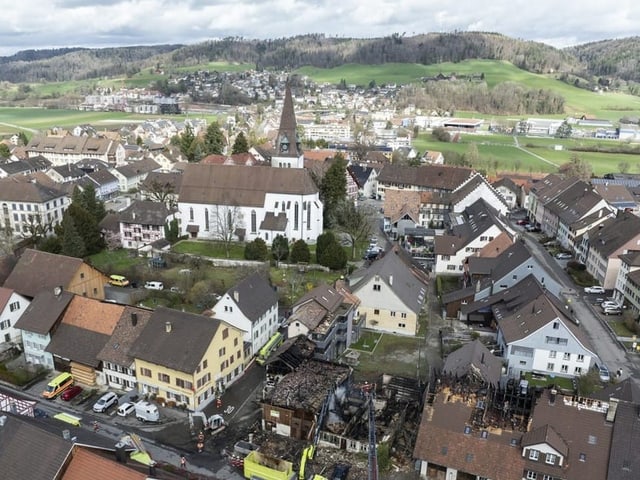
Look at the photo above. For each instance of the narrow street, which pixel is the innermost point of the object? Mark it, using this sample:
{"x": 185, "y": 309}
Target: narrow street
{"x": 607, "y": 348}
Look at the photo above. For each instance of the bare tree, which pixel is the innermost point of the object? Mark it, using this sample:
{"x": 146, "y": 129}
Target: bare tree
{"x": 37, "y": 228}
{"x": 226, "y": 221}
{"x": 7, "y": 241}
{"x": 355, "y": 222}
{"x": 163, "y": 192}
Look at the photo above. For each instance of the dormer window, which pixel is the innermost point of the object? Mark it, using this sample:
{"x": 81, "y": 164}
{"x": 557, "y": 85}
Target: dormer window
{"x": 551, "y": 459}
{"x": 534, "y": 455}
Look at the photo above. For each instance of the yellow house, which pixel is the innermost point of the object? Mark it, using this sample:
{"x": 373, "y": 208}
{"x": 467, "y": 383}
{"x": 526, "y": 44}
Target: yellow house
{"x": 391, "y": 294}
{"x": 186, "y": 358}
{"x": 37, "y": 271}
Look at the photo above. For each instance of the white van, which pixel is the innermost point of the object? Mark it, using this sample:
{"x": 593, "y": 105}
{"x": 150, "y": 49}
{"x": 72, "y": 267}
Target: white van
{"x": 154, "y": 286}
{"x": 147, "y": 412}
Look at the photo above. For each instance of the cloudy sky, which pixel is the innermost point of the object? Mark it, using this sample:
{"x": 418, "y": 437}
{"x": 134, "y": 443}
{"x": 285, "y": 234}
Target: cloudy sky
{"x": 100, "y": 23}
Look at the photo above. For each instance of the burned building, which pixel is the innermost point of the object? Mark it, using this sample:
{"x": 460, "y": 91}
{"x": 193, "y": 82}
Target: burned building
{"x": 293, "y": 406}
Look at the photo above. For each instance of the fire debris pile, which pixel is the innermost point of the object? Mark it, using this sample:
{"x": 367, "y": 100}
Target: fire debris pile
{"x": 306, "y": 388}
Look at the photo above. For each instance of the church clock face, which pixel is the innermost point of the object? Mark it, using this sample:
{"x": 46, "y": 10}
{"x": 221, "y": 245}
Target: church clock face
{"x": 284, "y": 147}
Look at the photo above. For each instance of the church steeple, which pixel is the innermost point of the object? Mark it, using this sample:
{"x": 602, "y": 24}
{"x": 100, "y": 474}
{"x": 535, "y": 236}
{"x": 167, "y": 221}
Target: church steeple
{"x": 288, "y": 143}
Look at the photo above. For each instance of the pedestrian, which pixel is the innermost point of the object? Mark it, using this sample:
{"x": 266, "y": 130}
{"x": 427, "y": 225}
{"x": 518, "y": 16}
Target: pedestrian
{"x": 183, "y": 462}
{"x": 219, "y": 402}
{"x": 96, "y": 427}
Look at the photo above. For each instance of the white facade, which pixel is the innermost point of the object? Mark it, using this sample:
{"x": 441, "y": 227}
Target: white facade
{"x": 303, "y": 213}
{"x": 22, "y": 216}
{"x": 331, "y": 132}
{"x": 550, "y": 350}
{"x": 11, "y": 311}
{"x": 34, "y": 345}
{"x": 256, "y": 332}
{"x": 453, "y": 264}
{"x": 119, "y": 377}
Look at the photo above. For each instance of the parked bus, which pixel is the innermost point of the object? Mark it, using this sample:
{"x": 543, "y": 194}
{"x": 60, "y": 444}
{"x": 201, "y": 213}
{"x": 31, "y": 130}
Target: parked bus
{"x": 56, "y": 386}
{"x": 265, "y": 352}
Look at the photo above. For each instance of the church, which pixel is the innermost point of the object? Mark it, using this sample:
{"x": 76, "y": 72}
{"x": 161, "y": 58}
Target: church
{"x": 242, "y": 203}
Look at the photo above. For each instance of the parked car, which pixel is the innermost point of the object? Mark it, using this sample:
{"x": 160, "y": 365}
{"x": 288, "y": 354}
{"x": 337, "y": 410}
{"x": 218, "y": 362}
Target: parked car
{"x": 594, "y": 289}
{"x": 523, "y": 222}
{"x": 532, "y": 228}
{"x": 118, "y": 281}
{"x": 177, "y": 290}
{"x": 609, "y": 304}
{"x": 612, "y": 310}
{"x": 604, "y": 373}
{"x": 125, "y": 409}
{"x": 154, "y": 286}
{"x": 71, "y": 392}
{"x": 106, "y": 401}
{"x": 564, "y": 256}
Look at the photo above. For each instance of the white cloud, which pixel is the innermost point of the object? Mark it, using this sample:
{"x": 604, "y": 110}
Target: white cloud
{"x": 95, "y": 23}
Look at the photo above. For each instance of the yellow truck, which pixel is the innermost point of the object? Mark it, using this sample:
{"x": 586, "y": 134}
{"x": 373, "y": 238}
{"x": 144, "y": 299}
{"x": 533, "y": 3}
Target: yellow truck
{"x": 264, "y": 467}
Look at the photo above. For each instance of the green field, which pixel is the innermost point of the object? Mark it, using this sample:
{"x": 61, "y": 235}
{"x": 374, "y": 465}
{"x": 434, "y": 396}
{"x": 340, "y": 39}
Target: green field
{"x": 502, "y": 149}
{"x": 577, "y": 101}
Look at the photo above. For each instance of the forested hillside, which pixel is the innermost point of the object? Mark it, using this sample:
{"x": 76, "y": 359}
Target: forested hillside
{"x": 78, "y": 64}
{"x": 613, "y": 58}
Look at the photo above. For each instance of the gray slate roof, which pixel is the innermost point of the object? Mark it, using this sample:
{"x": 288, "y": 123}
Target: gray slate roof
{"x": 255, "y": 296}
{"x": 182, "y": 348}
{"x": 28, "y": 452}
{"x": 77, "y": 344}
{"x": 145, "y": 212}
{"x": 240, "y": 185}
{"x": 43, "y": 312}
{"x": 624, "y": 461}
{"x": 405, "y": 284}
{"x": 614, "y": 233}
{"x": 471, "y": 359}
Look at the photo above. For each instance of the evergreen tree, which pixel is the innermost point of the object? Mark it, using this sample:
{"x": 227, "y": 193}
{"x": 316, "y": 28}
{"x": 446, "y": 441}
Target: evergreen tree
{"x": 171, "y": 231}
{"x": 4, "y": 151}
{"x": 322, "y": 243}
{"x": 280, "y": 248}
{"x": 300, "y": 252}
{"x": 72, "y": 243}
{"x": 333, "y": 188}
{"x": 186, "y": 143}
{"x": 23, "y": 138}
{"x": 240, "y": 145}
{"x": 333, "y": 256}
{"x": 213, "y": 140}
{"x": 256, "y": 250}
{"x": 86, "y": 226}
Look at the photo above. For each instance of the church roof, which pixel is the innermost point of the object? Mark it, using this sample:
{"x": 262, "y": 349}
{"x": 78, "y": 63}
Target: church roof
{"x": 287, "y": 142}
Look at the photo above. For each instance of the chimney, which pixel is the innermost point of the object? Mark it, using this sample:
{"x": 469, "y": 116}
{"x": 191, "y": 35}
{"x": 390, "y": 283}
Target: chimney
{"x": 482, "y": 359}
{"x": 134, "y": 319}
{"x": 236, "y": 295}
{"x": 390, "y": 279}
{"x": 552, "y": 396}
{"x": 167, "y": 327}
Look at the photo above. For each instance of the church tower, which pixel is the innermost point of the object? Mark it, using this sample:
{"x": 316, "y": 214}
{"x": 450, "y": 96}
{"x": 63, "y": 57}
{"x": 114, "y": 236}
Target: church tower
{"x": 288, "y": 148}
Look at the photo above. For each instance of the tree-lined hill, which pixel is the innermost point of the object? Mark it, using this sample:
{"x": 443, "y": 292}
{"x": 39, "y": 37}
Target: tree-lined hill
{"x": 611, "y": 58}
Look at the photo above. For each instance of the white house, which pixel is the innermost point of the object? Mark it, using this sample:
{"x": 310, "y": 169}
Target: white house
{"x": 251, "y": 306}
{"x": 540, "y": 337}
{"x": 469, "y": 233}
{"x": 38, "y": 322}
{"x": 475, "y": 188}
{"x": 245, "y": 203}
{"x": 30, "y": 202}
{"x": 12, "y": 306}
{"x": 142, "y": 223}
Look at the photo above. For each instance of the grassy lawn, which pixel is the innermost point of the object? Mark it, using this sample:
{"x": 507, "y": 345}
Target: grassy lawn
{"x": 398, "y": 355}
{"x": 499, "y": 152}
{"x": 367, "y": 342}
{"x": 561, "y": 382}
{"x": 116, "y": 261}
{"x": 620, "y": 328}
{"x": 210, "y": 249}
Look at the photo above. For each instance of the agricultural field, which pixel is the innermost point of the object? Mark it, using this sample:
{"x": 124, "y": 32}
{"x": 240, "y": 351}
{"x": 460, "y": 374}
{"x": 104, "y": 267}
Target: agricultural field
{"x": 532, "y": 154}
